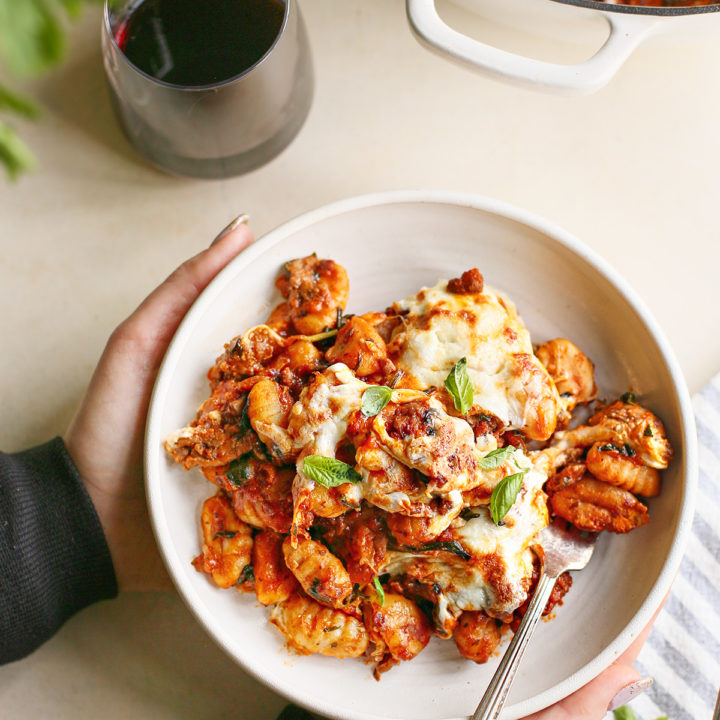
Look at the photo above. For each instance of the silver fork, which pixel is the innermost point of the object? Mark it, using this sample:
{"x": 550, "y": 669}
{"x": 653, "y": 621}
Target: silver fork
{"x": 564, "y": 549}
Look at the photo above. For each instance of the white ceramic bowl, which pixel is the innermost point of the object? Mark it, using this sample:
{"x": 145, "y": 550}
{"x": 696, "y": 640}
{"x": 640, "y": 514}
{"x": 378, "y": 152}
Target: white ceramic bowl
{"x": 391, "y": 245}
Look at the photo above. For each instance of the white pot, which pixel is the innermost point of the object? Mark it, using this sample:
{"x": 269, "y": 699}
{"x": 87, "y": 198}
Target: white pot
{"x": 628, "y": 26}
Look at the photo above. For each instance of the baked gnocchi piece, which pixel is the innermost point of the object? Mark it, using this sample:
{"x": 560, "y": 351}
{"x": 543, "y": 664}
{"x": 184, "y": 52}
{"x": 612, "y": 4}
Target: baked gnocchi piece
{"x": 315, "y": 290}
{"x": 274, "y": 583}
{"x": 477, "y": 635}
{"x": 421, "y": 435}
{"x": 260, "y": 491}
{"x": 294, "y": 365}
{"x": 629, "y": 423}
{"x": 540, "y": 397}
{"x": 247, "y": 355}
{"x": 360, "y": 540}
{"x": 269, "y": 406}
{"x": 359, "y": 346}
{"x": 623, "y": 423}
{"x": 313, "y": 500}
{"x": 572, "y": 372}
{"x": 593, "y": 505}
{"x": 320, "y": 573}
{"x": 414, "y": 531}
{"x": 227, "y": 543}
{"x": 218, "y": 434}
{"x": 390, "y": 485}
{"x": 310, "y": 627}
{"x": 397, "y": 626}
{"x": 617, "y": 466}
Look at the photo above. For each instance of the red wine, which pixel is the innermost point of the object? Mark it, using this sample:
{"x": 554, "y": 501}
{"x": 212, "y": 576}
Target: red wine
{"x": 199, "y": 42}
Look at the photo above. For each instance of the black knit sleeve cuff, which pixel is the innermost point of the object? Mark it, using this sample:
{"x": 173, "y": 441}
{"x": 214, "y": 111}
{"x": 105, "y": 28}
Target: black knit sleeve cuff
{"x": 54, "y": 559}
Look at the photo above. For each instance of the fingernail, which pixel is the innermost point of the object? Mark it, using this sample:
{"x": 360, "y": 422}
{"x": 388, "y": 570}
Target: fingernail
{"x": 239, "y": 220}
{"x": 629, "y": 692}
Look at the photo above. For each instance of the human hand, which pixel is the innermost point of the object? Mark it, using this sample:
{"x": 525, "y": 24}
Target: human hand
{"x": 613, "y": 687}
{"x": 105, "y": 438}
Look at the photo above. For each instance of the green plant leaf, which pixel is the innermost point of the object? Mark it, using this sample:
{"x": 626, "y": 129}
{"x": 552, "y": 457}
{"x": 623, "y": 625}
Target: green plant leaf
{"x": 329, "y": 471}
{"x": 504, "y": 495}
{"x": 496, "y": 458}
{"x": 14, "y": 153}
{"x": 374, "y": 399}
{"x": 225, "y": 534}
{"x": 16, "y": 103}
{"x": 31, "y": 36}
{"x": 72, "y": 7}
{"x": 624, "y": 713}
{"x": 32, "y": 40}
{"x": 379, "y": 590}
{"x": 239, "y": 470}
{"x": 452, "y": 546}
{"x": 460, "y": 386}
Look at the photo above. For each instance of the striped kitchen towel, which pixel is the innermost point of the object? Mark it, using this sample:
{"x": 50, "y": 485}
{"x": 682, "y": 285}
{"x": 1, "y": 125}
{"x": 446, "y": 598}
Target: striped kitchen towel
{"x": 682, "y": 653}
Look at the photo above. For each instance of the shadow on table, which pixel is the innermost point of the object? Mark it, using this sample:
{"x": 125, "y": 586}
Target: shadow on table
{"x": 142, "y": 655}
{"x": 77, "y": 92}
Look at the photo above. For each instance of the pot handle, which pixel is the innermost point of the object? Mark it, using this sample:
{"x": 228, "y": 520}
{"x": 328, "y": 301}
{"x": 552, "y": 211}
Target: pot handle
{"x": 627, "y": 31}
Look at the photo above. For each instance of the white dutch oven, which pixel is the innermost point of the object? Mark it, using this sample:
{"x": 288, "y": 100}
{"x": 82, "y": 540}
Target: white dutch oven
{"x": 628, "y": 26}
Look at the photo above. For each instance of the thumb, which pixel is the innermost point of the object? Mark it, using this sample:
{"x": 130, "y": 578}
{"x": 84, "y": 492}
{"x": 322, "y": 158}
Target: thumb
{"x": 159, "y": 315}
{"x": 120, "y": 388}
{"x": 591, "y": 701}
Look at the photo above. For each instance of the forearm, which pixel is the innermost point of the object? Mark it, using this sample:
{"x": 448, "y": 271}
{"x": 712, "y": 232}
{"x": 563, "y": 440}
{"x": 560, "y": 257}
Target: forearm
{"x": 54, "y": 559}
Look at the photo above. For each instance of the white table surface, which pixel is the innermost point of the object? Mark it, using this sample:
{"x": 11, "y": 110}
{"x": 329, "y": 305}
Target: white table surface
{"x": 630, "y": 170}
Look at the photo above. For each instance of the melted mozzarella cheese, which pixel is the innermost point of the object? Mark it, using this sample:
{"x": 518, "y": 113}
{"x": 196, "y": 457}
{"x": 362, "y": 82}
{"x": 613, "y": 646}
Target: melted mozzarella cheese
{"x": 497, "y": 576}
{"x": 319, "y": 419}
{"x": 441, "y": 327}
{"x": 441, "y": 446}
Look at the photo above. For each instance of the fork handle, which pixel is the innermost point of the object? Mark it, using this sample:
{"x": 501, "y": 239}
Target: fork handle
{"x": 494, "y": 698}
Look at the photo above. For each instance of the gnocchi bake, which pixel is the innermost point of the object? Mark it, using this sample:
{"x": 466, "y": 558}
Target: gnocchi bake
{"x": 382, "y": 478}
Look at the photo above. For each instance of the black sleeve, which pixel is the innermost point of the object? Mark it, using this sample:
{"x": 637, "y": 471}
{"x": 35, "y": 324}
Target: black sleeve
{"x": 54, "y": 560}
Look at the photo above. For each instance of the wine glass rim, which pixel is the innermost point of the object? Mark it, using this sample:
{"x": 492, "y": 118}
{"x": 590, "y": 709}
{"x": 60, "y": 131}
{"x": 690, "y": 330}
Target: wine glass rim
{"x": 108, "y": 30}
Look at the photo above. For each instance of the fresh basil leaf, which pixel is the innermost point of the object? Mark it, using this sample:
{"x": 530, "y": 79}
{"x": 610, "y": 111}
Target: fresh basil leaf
{"x": 504, "y": 495}
{"x": 374, "y": 399}
{"x": 624, "y": 713}
{"x": 379, "y": 590}
{"x": 247, "y": 575}
{"x": 225, "y": 534}
{"x": 452, "y": 546}
{"x": 244, "y": 425}
{"x": 496, "y": 458}
{"x": 239, "y": 470}
{"x": 329, "y": 471}
{"x": 314, "y": 592}
{"x": 460, "y": 386}
{"x": 324, "y": 335}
